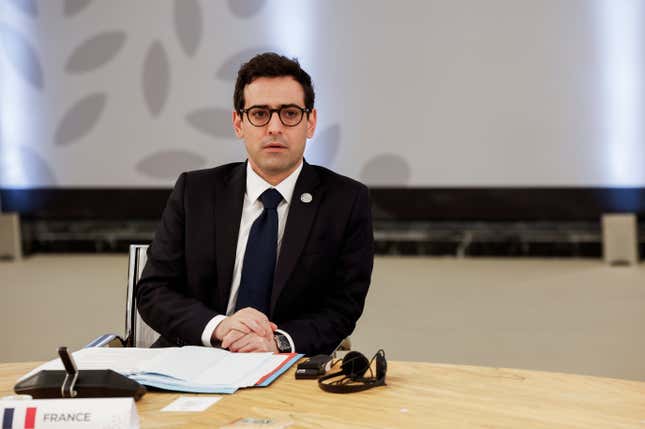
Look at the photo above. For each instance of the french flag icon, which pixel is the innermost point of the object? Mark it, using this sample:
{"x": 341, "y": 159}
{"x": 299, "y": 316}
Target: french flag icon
{"x": 10, "y": 415}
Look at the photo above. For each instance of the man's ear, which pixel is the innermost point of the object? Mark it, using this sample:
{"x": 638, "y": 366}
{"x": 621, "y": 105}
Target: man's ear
{"x": 237, "y": 124}
{"x": 311, "y": 123}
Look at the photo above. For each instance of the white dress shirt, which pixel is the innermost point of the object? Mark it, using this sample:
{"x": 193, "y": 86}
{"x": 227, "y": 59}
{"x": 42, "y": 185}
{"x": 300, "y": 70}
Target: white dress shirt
{"x": 251, "y": 210}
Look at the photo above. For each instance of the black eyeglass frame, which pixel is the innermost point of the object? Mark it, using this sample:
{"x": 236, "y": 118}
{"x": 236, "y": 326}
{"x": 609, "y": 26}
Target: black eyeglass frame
{"x": 278, "y": 110}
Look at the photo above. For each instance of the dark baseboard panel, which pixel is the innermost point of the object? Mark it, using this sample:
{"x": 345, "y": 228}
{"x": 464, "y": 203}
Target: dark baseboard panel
{"x": 505, "y": 204}
{"x": 534, "y": 222}
{"x": 389, "y": 204}
{"x": 85, "y": 203}
{"x": 458, "y": 239}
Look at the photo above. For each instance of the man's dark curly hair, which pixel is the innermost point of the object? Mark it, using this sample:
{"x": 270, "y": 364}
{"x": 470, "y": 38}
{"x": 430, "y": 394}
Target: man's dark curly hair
{"x": 270, "y": 64}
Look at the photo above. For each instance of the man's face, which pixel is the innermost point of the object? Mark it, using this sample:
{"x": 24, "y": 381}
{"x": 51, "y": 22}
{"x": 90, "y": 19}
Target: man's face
{"x": 274, "y": 150}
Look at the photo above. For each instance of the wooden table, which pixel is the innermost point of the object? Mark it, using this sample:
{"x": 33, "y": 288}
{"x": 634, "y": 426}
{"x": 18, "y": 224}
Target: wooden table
{"x": 418, "y": 395}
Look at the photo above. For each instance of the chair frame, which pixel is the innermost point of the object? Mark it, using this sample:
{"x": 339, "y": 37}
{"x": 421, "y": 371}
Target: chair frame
{"x": 134, "y": 268}
{"x": 129, "y": 338}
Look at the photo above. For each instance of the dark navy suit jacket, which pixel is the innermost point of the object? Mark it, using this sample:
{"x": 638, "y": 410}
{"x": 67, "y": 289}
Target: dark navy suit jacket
{"x": 321, "y": 278}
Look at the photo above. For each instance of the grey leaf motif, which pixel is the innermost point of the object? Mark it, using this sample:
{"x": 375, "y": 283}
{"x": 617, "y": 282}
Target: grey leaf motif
{"x": 188, "y": 24}
{"x": 80, "y": 118}
{"x": 156, "y": 78}
{"x": 228, "y": 70}
{"x": 386, "y": 169}
{"x": 72, "y": 7}
{"x": 168, "y": 164}
{"x": 213, "y": 121}
{"x": 22, "y": 56}
{"x": 325, "y": 145}
{"x": 95, "y": 52}
{"x": 24, "y": 167}
{"x": 245, "y": 8}
{"x": 27, "y": 6}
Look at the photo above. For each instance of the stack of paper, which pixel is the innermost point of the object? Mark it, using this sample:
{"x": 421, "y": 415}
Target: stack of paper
{"x": 184, "y": 369}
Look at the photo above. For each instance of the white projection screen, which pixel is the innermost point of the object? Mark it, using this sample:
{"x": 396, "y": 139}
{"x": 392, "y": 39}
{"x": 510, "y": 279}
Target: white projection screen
{"x": 433, "y": 93}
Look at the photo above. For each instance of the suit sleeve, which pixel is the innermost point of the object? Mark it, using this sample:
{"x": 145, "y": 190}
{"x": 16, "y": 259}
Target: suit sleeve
{"x": 321, "y": 331}
{"x": 163, "y": 299}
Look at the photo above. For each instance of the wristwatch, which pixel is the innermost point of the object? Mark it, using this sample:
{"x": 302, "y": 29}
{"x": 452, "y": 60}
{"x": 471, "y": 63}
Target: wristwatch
{"x": 282, "y": 342}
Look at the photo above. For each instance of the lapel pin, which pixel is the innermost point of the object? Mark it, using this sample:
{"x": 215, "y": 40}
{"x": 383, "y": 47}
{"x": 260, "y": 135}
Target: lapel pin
{"x": 306, "y": 198}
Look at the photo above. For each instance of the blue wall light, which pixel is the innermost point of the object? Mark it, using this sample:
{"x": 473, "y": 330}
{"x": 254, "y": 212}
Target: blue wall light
{"x": 622, "y": 52}
{"x": 20, "y": 75}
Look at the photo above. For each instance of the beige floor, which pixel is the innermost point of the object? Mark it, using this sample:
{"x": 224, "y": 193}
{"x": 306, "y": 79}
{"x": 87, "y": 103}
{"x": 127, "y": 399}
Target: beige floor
{"x": 577, "y": 316}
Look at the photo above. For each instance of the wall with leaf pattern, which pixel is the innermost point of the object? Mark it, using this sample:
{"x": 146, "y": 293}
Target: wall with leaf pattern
{"x": 420, "y": 93}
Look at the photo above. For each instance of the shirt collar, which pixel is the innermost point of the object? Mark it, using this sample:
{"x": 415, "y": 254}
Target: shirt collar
{"x": 255, "y": 185}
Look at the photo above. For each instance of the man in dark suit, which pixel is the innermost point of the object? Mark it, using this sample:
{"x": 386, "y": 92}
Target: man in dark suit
{"x": 273, "y": 254}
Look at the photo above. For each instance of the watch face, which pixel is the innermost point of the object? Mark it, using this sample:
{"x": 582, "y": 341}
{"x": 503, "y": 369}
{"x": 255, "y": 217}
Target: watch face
{"x": 282, "y": 343}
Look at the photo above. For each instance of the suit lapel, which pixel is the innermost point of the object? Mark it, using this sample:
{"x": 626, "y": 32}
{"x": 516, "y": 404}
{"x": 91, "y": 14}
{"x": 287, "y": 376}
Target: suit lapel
{"x": 228, "y": 212}
{"x": 296, "y": 232}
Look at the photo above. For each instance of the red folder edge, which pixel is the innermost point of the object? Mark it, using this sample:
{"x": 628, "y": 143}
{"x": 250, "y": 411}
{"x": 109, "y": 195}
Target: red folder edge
{"x": 287, "y": 358}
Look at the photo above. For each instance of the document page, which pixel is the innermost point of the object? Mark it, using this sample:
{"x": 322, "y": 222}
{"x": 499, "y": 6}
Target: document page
{"x": 186, "y": 369}
{"x": 185, "y": 363}
{"x": 122, "y": 360}
{"x": 271, "y": 365}
{"x": 235, "y": 369}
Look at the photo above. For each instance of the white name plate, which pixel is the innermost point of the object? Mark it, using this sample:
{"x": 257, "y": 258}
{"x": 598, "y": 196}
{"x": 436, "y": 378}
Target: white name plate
{"x": 114, "y": 413}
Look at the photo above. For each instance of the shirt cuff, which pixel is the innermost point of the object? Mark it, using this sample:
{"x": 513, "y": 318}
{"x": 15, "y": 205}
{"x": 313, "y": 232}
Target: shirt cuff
{"x": 293, "y": 347}
{"x": 208, "y": 331}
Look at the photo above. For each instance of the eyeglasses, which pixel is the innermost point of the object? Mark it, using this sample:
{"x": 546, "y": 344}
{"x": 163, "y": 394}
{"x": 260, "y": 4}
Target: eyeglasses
{"x": 290, "y": 115}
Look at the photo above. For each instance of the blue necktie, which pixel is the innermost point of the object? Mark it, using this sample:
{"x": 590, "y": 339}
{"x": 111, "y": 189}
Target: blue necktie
{"x": 260, "y": 257}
